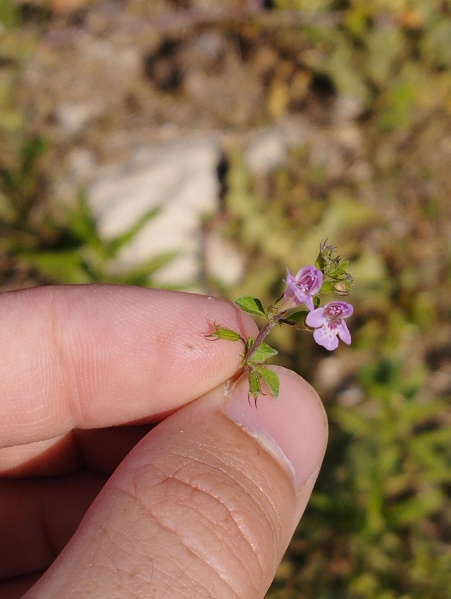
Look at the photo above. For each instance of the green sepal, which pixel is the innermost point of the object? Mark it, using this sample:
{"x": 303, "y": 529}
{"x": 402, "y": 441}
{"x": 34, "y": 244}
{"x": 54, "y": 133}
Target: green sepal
{"x": 264, "y": 352}
{"x": 319, "y": 262}
{"x": 251, "y": 305}
{"x": 255, "y": 387}
{"x": 221, "y": 333}
{"x": 327, "y": 287}
{"x": 271, "y": 380}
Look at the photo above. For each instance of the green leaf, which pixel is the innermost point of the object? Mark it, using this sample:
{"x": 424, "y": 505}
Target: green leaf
{"x": 296, "y": 317}
{"x": 82, "y": 224}
{"x": 251, "y": 305}
{"x": 271, "y": 380}
{"x": 62, "y": 267}
{"x": 411, "y": 510}
{"x": 319, "y": 262}
{"x": 30, "y": 152}
{"x": 8, "y": 14}
{"x": 142, "y": 273}
{"x": 264, "y": 352}
{"x": 131, "y": 233}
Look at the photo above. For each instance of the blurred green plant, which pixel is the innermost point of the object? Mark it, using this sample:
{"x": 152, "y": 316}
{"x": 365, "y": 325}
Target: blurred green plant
{"x": 387, "y": 55}
{"x": 393, "y": 490}
{"x": 80, "y": 255}
{"x": 378, "y": 520}
{"x": 8, "y": 14}
{"x": 16, "y": 45}
{"x": 71, "y": 251}
{"x": 20, "y": 187}
{"x": 33, "y": 243}
{"x": 378, "y": 524}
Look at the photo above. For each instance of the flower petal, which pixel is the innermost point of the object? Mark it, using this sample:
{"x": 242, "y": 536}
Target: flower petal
{"x": 325, "y": 337}
{"x": 344, "y": 333}
{"x": 309, "y": 302}
{"x": 315, "y": 318}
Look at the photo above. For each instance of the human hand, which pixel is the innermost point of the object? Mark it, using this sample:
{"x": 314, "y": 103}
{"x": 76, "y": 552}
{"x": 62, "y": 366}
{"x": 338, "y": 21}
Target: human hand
{"x": 95, "y": 500}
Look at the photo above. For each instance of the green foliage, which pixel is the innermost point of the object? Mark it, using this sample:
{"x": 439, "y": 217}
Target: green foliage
{"x": 397, "y": 456}
{"x": 260, "y": 374}
{"x": 19, "y": 185}
{"x": 304, "y": 5}
{"x": 82, "y": 256}
{"x": 67, "y": 252}
{"x": 32, "y": 241}
{"x": 336, "y": 279}
{"x": 263, "y": 353}
{"x": 271, "y": 380}
{"x": 377, "y": 524}
{"x": 251, "y": 305}
{"x": 377, "y": 52}
{"x": 8, "y": 14}
{"x": 382, "y": 498}
{"x": 15, "y": 46}
{"x": 298, "y": 318}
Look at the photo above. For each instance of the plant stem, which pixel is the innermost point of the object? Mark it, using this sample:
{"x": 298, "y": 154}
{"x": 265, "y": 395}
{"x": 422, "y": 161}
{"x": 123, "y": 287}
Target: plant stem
{"x": 264, "y": 332}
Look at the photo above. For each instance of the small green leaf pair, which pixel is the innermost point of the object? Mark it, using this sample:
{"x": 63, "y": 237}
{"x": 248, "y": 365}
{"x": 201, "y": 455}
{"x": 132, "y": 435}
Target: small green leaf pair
{"x": 257, "y": 372}
{"x": 270, "y": 378}
{"x": 262, "y": 354}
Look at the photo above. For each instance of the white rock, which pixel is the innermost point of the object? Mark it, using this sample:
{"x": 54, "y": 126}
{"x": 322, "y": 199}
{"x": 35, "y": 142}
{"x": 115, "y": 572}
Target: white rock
{"x": 266, "y": 151}
{"x": 348, "y": 108}
{"x": 82, "y": 165}
{"x": 223, "y": 260}
{"x": 73, "y": 117}
{"x": 178, "y": 177}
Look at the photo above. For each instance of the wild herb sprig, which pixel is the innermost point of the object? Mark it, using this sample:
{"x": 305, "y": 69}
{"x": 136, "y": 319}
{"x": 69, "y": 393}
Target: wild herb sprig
{"x": 327, "y": 275}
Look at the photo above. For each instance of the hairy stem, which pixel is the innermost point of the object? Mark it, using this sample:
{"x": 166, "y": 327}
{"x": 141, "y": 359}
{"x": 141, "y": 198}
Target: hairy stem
{"x": 264, "y": 332}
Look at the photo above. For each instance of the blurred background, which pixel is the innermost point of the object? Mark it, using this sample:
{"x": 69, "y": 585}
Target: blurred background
{"x": 206, "y": 146}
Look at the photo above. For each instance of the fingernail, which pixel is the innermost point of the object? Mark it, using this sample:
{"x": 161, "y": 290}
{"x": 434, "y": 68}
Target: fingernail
{"x": 293, "y": 428}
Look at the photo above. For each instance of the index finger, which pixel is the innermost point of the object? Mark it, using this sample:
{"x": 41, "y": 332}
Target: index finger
{"x": 101, "y": 355}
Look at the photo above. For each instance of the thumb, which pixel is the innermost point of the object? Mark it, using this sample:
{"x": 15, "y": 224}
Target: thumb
{"x": 204, "y": 506}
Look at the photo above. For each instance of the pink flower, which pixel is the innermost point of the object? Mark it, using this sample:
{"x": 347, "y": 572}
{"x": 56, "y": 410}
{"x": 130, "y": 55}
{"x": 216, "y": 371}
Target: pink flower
{"x": 329, "y": 323}
{"x": 302, "y": 287}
